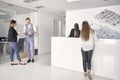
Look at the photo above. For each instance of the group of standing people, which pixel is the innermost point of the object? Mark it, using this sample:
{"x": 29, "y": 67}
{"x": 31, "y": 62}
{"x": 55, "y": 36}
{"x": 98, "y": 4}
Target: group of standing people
{"x": 29, "y": 31}
{"x": 87, "y": 35}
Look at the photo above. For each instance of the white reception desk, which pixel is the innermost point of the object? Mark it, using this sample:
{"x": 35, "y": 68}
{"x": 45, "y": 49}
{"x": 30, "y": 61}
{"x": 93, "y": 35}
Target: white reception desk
{"x": 66, "y": 53}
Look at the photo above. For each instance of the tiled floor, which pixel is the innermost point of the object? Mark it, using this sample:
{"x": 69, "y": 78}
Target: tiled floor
{"x": 4, "y": 58}
{"x": 40, "y": 70}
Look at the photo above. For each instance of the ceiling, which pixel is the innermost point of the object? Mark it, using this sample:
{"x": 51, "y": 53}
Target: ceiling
{"x": 8, "y": 10}
{"x": 14, "y": 8}
{"x": 58, "y": 7}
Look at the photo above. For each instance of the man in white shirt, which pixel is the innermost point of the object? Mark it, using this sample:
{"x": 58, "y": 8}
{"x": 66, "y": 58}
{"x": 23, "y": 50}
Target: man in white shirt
{"x": 29, "y": 31}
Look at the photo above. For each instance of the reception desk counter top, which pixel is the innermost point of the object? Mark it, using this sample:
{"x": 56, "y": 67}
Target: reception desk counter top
{"x": 66, "y": 53}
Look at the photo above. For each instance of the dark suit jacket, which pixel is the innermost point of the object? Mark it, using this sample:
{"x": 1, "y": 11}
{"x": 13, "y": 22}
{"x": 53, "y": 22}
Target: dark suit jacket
{"x": 72, "y": 33}
{"x": 12, "y": 35}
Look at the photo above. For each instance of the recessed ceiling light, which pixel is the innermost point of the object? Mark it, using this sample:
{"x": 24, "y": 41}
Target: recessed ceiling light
{"x": 10, "y": 5}
{"x": 29, "y": 1}
{"x": 39, "y": 7}
{"x": 2, "y": 13}
{"x": 72, "y": 0}
{"x": 105, "y": 0}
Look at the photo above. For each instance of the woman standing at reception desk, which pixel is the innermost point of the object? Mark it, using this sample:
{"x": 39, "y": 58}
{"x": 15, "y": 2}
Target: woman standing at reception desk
{"x": 87, "y": 46}
{"x": 75, "y": 32}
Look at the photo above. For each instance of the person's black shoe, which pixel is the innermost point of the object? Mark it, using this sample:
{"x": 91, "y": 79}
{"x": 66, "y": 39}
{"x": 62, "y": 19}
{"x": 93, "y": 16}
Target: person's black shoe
{"x": 28, "y": 61}
{"x": 33, "y": 60}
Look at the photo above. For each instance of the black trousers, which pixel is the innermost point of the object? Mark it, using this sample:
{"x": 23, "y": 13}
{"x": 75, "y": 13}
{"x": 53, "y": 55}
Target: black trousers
{"x": 86, "y": 56}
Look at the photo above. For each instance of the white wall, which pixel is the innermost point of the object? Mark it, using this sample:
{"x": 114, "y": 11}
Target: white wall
{"x": 56, "y": 27}
{"x": 78, "y": 16}
{"x": 59, "y": 27}
{"x": 45, "y": 31}
{"x": 4, "y": 26}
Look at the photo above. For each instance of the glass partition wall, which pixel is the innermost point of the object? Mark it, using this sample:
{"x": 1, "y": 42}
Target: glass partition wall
{"x": 5, "y": 16}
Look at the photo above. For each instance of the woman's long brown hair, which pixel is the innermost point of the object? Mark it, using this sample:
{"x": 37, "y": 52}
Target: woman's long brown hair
{"x": 85, "y": 31}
